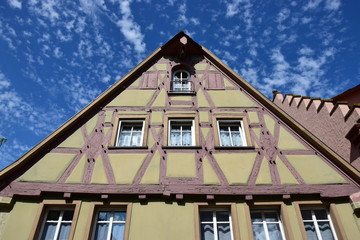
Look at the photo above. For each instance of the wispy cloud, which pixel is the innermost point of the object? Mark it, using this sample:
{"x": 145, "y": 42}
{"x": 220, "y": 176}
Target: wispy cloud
{"x": 130, "y": 29}
{"x": 15, "y": 3}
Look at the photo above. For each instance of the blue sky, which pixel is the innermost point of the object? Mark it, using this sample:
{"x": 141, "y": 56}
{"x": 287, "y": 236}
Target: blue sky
{"x": 57, "y": 56}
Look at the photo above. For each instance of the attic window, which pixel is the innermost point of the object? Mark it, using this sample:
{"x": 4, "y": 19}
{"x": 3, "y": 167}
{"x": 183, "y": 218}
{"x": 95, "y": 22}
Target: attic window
{"x": 181, "y": 82}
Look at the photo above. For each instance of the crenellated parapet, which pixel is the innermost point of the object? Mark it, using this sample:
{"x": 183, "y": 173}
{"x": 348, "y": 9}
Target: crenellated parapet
{"x": 329, "y": 121}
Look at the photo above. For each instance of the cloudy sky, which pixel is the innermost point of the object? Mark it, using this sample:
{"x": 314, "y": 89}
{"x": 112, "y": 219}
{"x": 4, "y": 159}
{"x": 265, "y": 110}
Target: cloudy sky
{"x": 56, "y": 56}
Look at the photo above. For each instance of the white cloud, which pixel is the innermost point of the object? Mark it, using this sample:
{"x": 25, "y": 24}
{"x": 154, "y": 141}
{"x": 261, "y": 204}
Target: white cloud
{"x": 57, "y": 52}
{"x": 130, "y": 29}
{"x": 15, "y": 3}
{"x": 306, "y": 51}
{"x": 233, "y": 8}
{"x": 332, "y": 4}
{"x": 45, "y": 8}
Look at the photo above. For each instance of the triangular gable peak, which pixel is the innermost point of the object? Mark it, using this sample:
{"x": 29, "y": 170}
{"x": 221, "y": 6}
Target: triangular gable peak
{"x": 127, "y": 141}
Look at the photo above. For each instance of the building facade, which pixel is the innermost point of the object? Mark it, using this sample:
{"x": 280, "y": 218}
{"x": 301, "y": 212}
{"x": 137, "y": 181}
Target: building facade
{"x": 180, "y": 148}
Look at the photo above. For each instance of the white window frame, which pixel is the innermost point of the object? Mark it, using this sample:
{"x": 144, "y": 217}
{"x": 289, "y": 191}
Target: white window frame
{"x": 265, "y": 223}
{"x": 121, "y": 122}
{"x": 214, "y": 221}
{"x": 111, "y": 222}
{"x": 181, "y": 79}
{"x": 192, "y": 131}
{"x": 315, "y": 221}
{"x": 241, "y": 130}
{"x": 58, "y": 222}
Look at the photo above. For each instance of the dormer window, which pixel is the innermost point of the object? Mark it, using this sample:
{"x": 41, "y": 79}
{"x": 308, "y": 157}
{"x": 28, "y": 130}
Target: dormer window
{"x": 181, "y": 82}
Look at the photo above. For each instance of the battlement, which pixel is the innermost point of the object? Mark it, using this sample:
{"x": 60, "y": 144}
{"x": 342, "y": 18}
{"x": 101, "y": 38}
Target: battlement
{"x": 329, "y": 121}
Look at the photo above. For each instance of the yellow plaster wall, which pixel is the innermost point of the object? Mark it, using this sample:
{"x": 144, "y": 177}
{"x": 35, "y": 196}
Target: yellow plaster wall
{"x": 202, "y": 102}
{"x": 75, "y": 140}
{"x": 91, "y": 124}
{"x": 314, "y": 170}
{"x": 108, "y": 116}
{"x": 136, "y": 83}
{"x": 210, "y": 177}
{"x": 236, "y": 167}
{"x": 227, "y": 83}
{"x": 156, "y": 117}
{"x": 160, "y": 100}
{"x": 264, "y": 176}
{"x": 20, "y": 221}
{"x": 348, "y": 221}
{"x": 152, "y": 173}
{"x": 253, "y": 116}
{"x": 82, "y": 222}
{"x": 270, "y": 124}
{"x": 293, "y": 223}
{"x": 204, "y": 116}
{"x": 160, "y": 221}
{"x": 160, "y": 67}
{"x": 181, "y": 98}
{"x": 288, "y": 141}
{"x": 231, "y": 98}
{"x": 99, "y": 174}
{"x": 48, "y": 169}
{"x": 181, "y": 165}
{"x": 286, "y": 177}
{"x": 205, "y": 132}
{"x": 3, "y": 218}
{"x": 126, "y": 166}
{"x": 200, "y": 66}
{"x": 77, "y": 173}
{"x": 126, "y": 98}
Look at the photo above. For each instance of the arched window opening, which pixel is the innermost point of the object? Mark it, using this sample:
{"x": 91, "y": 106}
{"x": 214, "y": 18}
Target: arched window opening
{"x": 181, "y": 81}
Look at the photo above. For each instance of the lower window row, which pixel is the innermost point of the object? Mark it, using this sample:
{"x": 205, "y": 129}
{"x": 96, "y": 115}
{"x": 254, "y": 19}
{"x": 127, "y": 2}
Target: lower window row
{"x": 215, "y": 224}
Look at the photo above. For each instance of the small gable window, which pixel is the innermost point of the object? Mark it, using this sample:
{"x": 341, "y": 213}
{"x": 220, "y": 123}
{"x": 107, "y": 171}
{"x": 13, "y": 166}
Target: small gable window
{"x": 181, "y": 82}
{"x": 130, "y": 133}
{"x": 231, "y": 133}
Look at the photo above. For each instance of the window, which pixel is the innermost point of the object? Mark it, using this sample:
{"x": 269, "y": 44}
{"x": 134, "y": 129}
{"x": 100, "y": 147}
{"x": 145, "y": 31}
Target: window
{"x": 181, "y": 81}
{"x": 318, "y": 225}
{"x": 231, "y": 133}
{"x": 57, "y": 224}
{"x": 215, "y": 225}
{"x": 130, "y": 133}
{"x": 266, "y": 224}
{"x": 110, "y": 225}
{"x": 181, "y": 132}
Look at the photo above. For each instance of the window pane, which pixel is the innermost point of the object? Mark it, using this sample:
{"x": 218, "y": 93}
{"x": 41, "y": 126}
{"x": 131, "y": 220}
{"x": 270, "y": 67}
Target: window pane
{"x": 271, "y": 216}
{"x": 325, "y": 230}
{"x": 101, "y": 231}
{"x": 124, "y": 139}
{"x": 186, "y": 139}
{"x": 222, "y": 216}
{"x": 225, "y": 139}
{"x": 320, "y": 214}
{"x": 136, "y": 139}
{"x": 207, "y": 232}
{"x": 206, "y": 216}
{"x": 274, "y": 231}
{"x": 118, "y": 232}
{"x": 119, "y": 216}
{"x": 68, "y": 215}
{"x": 104, "y": 216}
{"x": 49, "y": 231}
{"x": 306, "y": 214}
{"x": 256, "y": 216}
{"x": 258, "y": 230}
{"x": 175, "y": 138}
{"x": 310, "y": 230}
{"x": 64, "y": 231}
{"x": 236, "y": 138}
{"x": 53, "y": 215}
{"x": 224, "y": 232}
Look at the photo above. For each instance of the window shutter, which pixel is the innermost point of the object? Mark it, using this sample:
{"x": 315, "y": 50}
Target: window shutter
{"x": 215, "y": 81}
{"x": 149, "y": 80}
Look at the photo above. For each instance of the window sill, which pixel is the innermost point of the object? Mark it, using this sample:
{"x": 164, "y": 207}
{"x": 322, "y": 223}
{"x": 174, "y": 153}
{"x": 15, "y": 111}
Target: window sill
{"x": 127, "y": 147}
{"x": 181, "y": 147}
{"x": 190, "y": 93}
{"x": 234, "y": 147}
